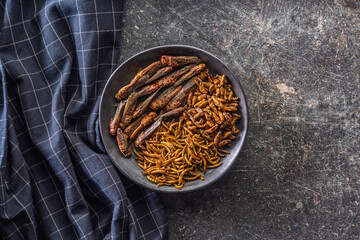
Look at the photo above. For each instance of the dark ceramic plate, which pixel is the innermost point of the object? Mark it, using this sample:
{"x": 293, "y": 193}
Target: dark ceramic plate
{"x": 123, "y": 75}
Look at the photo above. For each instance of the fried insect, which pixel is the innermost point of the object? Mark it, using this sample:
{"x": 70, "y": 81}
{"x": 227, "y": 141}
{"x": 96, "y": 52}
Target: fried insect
{"x": 185, "y": 91}
{"x": 164, "y": 97}
{"x": 128, "y": 110}
{"x": 122, "y": 143}
{"x": 145, "y": 121}
{"x": 114, "y": 122}
{"x": 144, "y": 105}
{"x": 180, "y": 96}
{"x": 175, "y": 61}
{"x": 130, "y": 106}
{"x": 140, "y": 77}
{"x": 172, "y": 77}
{"x": 147, "y": 133}
{"x": 133, "y": 126}
{"x": 147, "y": 90}
{"x": 192, "y": 72}
{"x": 160, "y": 73}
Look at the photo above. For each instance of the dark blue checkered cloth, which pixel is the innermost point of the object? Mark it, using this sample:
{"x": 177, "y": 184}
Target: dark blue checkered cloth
{"x": 56, "y": 181}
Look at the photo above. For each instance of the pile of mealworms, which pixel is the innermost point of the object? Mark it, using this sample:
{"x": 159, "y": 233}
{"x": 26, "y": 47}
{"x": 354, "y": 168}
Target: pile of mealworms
{"x": 172, "y": 152}
{"x": 183, "y": 150}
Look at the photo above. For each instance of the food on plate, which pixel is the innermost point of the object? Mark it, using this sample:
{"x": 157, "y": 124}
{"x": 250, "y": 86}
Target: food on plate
{"x": 149, "y": 118}
{"x": 192, "y": 72}
{"x": 140, "y": 77}
{"x": 123, "y": 143}
{"x": 207, "y": 107}
{"x": 177, "y": 131}
{"x": 142, "y": 107}
{"x": 176, "y": 61}
{"x": 174, "y": 154}
{"x": 187, "y": 89}
{"x": 164, "y": 98}
{"x": 160, "y": 73}
{"x": 128, "y": 110}
{"x": 183, "y": 150}
{"x": 172, "y": 77}
{"x": 114, "y": 122}
{"x": 147, "y": 133}
{"x": 148, "y": 89}
{"x": 132, "y": 126}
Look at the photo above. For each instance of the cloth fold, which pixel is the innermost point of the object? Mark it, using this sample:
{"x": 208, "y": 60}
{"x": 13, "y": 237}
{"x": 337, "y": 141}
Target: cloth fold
{"x": 56, "y": 180}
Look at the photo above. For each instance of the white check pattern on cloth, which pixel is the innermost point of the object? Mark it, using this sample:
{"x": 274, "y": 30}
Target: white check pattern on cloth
{"x": 56, "y": 181}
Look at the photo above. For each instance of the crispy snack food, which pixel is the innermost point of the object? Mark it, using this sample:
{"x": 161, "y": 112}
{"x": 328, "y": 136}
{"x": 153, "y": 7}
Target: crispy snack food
{"x": 189, "y": 142}
{"x": 114, "y": 122}
{"x": 164, "y": 98}
{"x": 189, "y": 87}
{"x": 174, "y": 154}
{"x": 183, "y": 150}
{"x": 140, "y": 78}
{"x": 212, "y": 111}
{"x": 176, "y": 61}
{"x": 123, "y": 143}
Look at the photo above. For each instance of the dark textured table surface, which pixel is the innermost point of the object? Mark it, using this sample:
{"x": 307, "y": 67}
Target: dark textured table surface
{"x": 298, "y": 176}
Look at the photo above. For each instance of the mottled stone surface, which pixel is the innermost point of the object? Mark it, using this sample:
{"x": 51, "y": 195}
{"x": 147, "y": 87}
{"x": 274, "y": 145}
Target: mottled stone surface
{"x": 298, "y": 176}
